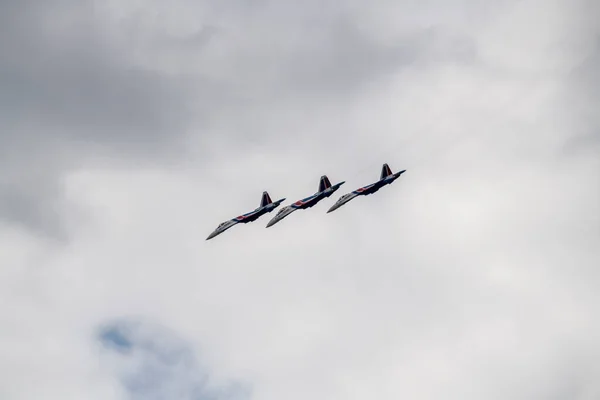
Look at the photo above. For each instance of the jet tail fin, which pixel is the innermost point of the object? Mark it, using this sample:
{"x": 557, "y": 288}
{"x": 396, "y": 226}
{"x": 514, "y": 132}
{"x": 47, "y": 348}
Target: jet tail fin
{"x": 385, "y": 171}
{"x": 324, "y": 183}
{"x": 266, "y": 199}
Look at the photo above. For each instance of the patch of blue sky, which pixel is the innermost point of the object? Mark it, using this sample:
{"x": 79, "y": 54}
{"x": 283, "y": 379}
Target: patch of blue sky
{"x": 154, "y": 364}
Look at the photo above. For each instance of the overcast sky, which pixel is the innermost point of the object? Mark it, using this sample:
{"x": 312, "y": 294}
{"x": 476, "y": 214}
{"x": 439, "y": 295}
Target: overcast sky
{"x": 129, "y": 130}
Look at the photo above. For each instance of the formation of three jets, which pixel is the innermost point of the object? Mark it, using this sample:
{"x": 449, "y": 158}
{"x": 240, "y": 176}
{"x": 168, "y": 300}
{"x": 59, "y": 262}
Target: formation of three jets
{"x": 326, "y": 189}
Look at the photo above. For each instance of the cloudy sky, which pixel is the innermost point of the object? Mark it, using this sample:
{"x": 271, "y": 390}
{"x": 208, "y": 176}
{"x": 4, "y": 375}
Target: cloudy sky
{"x": 129, "y": 130}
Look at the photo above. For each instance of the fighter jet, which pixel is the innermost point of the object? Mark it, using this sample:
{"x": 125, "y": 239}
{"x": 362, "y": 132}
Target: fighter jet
{"x": 386, "y": 178}
{"x": 266, "y": 206}
{"x": 325, "y": 190}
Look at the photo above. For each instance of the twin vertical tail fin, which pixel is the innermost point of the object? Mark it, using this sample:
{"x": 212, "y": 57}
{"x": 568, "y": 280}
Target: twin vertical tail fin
{"x": 385, "y": 171}
{"x": 265, "y": 200}
{"x": 324, "y": 183}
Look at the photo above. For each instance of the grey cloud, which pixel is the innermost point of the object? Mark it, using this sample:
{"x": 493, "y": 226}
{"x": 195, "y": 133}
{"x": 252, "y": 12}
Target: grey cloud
{"x": 68, "y": 92}
{"x": 71, "y": 88}
{"x": 348, "y": 58}
{"x": 69, "y": 83}
{"x": 338, "y": 57}
{"x": 471, "y": 278}
{"x": 342, "y": 59}
{"x": 584, "y": 94}
{"x": 33, "y": 202}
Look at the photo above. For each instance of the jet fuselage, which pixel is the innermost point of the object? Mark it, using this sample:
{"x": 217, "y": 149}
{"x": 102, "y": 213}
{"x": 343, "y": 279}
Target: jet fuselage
{"x": 311, "y": 201}
{"x": 387, "y": 178}
{"x": 245, "y": 218}
{"x": 374, "y": 187}
{"x": 305, "y": 203}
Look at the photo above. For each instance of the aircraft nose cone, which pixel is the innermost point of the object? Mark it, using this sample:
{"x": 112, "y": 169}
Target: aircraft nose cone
{"x": 274, "y": 220}
{"x": 212, "y": 235}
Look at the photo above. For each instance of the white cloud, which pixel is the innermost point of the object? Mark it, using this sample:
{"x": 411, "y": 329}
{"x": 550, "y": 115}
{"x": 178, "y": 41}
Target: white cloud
{"x": 471, "y": 277}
